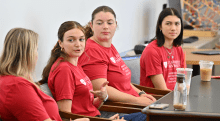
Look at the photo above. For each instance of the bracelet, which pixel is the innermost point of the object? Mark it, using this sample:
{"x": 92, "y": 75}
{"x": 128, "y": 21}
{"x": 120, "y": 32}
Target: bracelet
{"x": 140, "y": 93}
{"x": 106, "y": 98}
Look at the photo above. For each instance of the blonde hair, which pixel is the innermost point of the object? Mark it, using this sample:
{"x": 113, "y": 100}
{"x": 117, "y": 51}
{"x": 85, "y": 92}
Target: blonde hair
{"x": 18, "y": 56}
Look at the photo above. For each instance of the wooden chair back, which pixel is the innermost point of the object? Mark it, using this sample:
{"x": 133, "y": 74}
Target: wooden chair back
{"x": 68, "y": 115}
{"x": 108, "y": 108}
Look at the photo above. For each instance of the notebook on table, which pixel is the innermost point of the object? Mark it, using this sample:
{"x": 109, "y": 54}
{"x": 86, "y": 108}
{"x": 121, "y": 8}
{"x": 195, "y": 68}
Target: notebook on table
{"x": 190, "y": 39}
{"x": 210, "y": 52}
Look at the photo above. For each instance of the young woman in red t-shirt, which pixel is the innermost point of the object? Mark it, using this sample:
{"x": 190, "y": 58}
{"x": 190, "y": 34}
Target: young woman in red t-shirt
{"x": 20, "y": 98}
{"x": 70, "y": 86}
{"x": 101, "y": 62}
{"x": 164, "y": 54}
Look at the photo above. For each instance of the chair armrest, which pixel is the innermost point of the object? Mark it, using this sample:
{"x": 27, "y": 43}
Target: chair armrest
{"x": 122, "y": 104}
{"x": 157, "y": 96}
{"x": 119, "y": 109}
{"x": 152, "y": 90}
{"x": 68, "y": 115}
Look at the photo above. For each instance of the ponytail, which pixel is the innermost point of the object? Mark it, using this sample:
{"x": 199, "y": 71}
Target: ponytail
{"x": 55, "y": 54}
{"x": 88, "y": 31}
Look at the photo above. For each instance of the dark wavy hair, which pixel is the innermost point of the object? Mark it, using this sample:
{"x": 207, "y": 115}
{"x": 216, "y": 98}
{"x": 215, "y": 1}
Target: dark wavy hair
{"x": 159, "y": 35}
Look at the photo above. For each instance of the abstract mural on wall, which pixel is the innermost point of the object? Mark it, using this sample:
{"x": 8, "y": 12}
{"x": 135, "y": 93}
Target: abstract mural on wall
{"x": 201, "y": 14}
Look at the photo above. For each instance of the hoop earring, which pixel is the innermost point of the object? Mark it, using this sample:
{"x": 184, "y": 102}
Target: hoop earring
{"x": 61, "y": 49}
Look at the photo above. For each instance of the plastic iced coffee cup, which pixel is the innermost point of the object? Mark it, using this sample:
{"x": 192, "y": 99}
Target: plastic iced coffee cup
{"x": 206, "y": 70}
{"x": 188, "y": 75}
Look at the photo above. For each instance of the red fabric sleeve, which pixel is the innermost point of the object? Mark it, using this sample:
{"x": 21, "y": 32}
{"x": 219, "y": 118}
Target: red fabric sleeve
{"x": 182, "y": 58}
{"x": 97, "y": 65}
{"x": 25, "y": 104}
{"x": 64, "y": 84}
{"x": 152, "y": 62}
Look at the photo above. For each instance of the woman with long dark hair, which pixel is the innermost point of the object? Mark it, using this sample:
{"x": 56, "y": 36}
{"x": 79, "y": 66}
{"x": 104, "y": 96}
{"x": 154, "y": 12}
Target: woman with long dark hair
{"x": 164, "y": 54}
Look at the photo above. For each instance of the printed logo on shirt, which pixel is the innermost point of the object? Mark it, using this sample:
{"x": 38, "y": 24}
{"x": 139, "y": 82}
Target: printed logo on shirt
{"x": 125, "y": 69}
{"x": 82, "y": 81}
{"x": 165, "y": 64}
{"x": 174, "y": 63}
{"x": 87, "y": 80}
{"x": 116, "y": 59}
{"x": 113, "y": 59}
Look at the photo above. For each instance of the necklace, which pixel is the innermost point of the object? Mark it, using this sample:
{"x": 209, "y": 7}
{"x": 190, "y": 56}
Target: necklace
{"x": 169, "y": 54}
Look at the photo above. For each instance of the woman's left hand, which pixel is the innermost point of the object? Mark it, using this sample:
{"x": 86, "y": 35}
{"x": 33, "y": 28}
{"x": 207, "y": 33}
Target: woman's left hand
{"x": 148, "y": 96}
{"x": 116, "y": 118}
{"x": 102, "y": 93}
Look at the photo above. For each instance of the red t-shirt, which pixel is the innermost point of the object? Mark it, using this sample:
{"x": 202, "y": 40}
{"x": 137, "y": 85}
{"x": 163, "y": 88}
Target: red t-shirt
{"x": 20, "y": 100}
{"x": 105, "y": 62}
{"x": 67, "y": 81}
{"x": 154, "y": 60}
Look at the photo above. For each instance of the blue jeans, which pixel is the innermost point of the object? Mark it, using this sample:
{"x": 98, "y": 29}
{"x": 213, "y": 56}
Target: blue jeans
{"x": 135, "y": 117}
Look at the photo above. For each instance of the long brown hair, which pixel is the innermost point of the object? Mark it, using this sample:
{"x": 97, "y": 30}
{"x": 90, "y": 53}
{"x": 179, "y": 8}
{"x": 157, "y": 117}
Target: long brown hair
{"x": 56, "y": 52}
{"x": 18, "y": 57}
{"x": 88, "y": 30}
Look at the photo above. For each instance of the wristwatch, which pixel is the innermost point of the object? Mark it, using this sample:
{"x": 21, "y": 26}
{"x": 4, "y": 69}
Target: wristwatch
{"x": 106, "y": 98}
{"x": 140, "y": 93}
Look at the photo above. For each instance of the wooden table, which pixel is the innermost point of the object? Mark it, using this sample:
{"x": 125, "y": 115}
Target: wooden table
{"x": 193, "y": 59}
{"x": 203, "y": 104}
{"x": 202, "y": 43}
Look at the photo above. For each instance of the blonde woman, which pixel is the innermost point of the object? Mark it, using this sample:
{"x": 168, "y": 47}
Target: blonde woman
{"x": 20, "y": 98}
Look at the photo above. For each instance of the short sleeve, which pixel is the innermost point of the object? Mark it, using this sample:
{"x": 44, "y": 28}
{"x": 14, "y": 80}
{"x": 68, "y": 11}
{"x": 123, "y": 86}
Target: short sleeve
{"x": 96, "y": 65}
{"x": 182, "y": 58}
{"x": 64, "y": 85}
{"x": 25, "y": 104}
{"x": 152, "y": 62}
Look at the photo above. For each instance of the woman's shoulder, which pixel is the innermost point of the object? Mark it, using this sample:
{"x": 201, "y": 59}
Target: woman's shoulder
{"x": 152, "y": 50}
{"x": 60, "y": 65}
{"x": 179, "y": 48}
{"x": 63, "y": 66}
{"x": 95, "y": 51}
{"x": 153, "y": 44}
{"x": 152, "y": 47}
{"x": 11, "y": 80}
{"x": 91, "y": 44}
